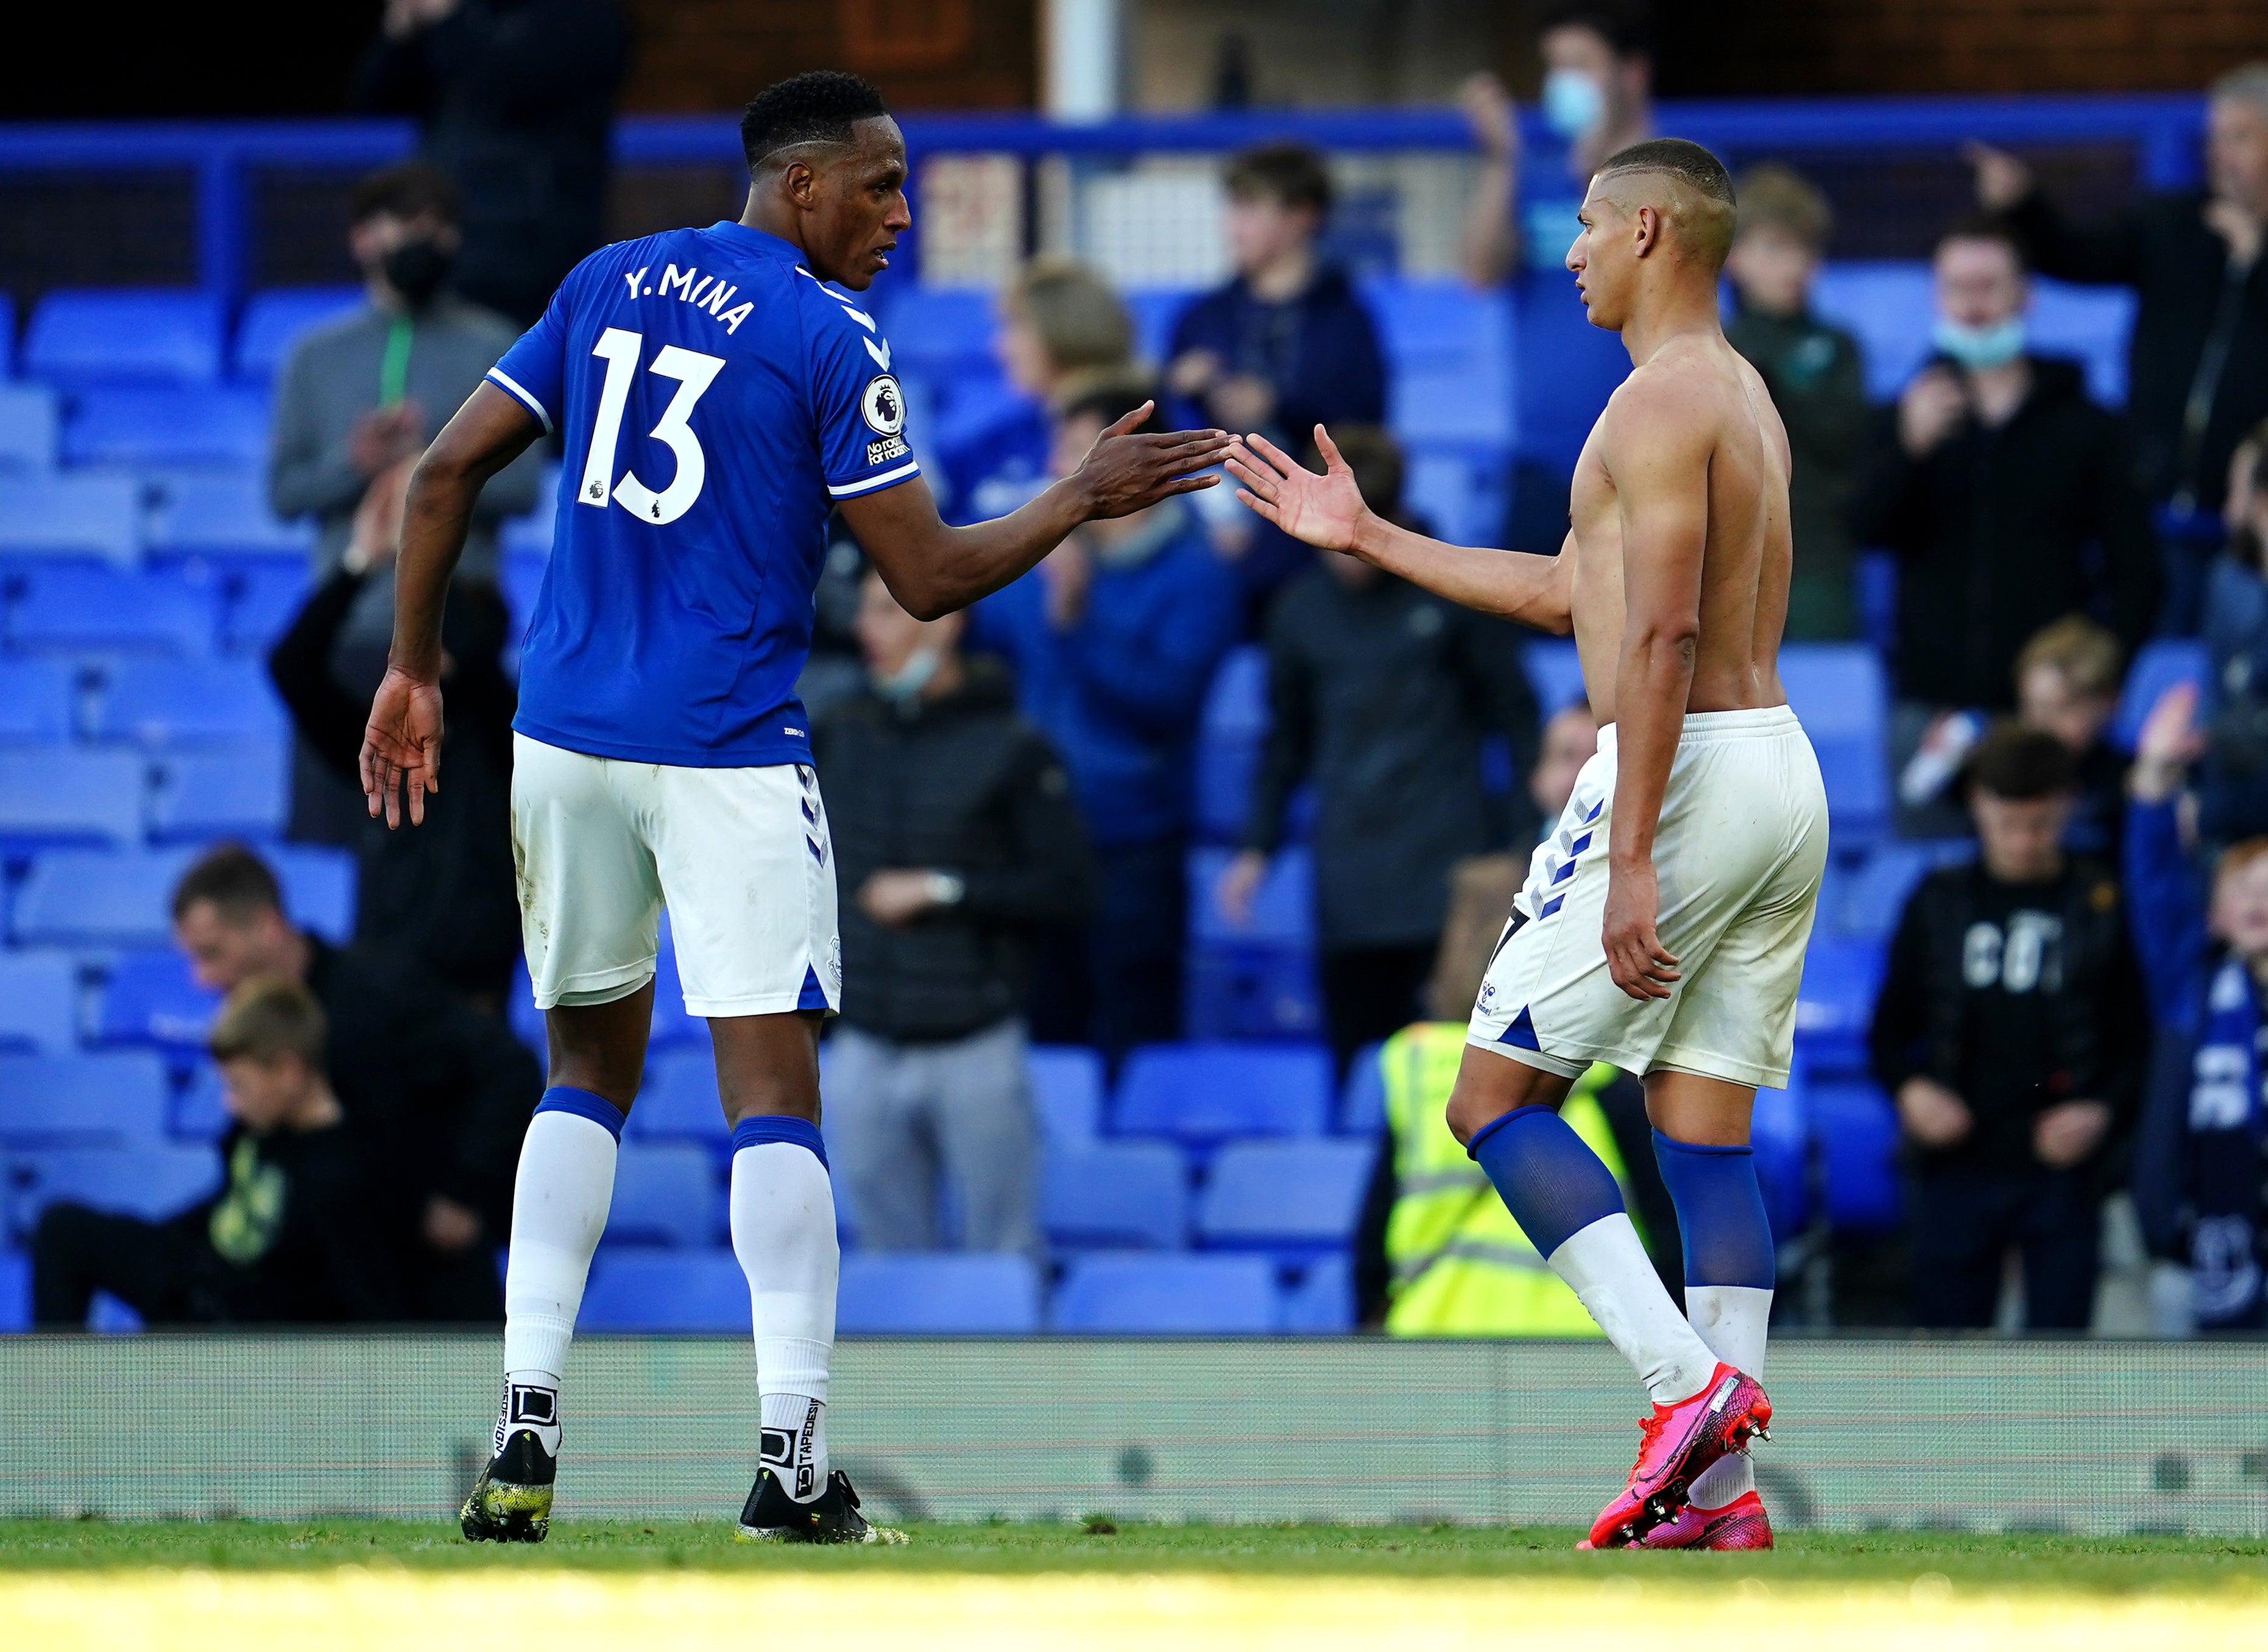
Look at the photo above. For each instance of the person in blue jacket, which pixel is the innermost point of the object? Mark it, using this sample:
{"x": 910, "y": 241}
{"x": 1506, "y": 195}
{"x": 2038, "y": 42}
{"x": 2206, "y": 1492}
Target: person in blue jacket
{"x": 2204, "y": 948}
{"x": 1286, "y": 344}
{"x": 1114, "y": 639}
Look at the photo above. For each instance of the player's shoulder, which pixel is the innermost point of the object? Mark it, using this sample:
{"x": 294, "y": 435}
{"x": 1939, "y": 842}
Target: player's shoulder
{"x": 832, "y": 312}
{"x": 1678, "y": 393}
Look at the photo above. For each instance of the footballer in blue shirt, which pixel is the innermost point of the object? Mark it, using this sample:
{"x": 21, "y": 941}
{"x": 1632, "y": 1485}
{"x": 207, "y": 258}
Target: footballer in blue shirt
{"x": 716, "y": 392}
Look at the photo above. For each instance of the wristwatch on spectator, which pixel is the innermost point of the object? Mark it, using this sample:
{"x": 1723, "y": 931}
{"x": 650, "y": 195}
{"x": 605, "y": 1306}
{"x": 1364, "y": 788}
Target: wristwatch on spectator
{"x": 947, "y": 888}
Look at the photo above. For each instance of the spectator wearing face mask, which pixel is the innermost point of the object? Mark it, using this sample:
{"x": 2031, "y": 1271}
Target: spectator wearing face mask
{"x": 2232, "y": 780}
{"x": 1597, "y": 97}
{"x": 2008, "y": 498}
{"x": 1818, "y": 380}
{"x": 357, "y": 399}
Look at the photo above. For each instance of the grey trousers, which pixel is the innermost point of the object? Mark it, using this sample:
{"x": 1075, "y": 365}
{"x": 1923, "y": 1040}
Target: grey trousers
{"x": 902, "y": 1119}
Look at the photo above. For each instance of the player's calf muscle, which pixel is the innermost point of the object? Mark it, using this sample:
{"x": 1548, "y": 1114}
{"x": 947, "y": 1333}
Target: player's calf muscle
{"x": 1490, "y": 1086}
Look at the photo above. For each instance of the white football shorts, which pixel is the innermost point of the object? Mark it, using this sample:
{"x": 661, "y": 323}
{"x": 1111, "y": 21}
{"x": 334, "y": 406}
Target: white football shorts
{"x": 1737, "y": 859}
{"x": 740, "y": 856}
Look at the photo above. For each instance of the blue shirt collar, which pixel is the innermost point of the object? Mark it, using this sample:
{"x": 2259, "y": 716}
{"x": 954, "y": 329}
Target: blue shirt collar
{"x": 756, "y": 241}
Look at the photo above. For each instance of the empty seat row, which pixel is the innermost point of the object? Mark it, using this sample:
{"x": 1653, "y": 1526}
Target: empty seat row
{"x": 157, "y": 703}
{"x": 197, "y": 608}
{"x": 107, "y": 900}
{"x": 169, "y": 335}
{"x": 61, "y": 795}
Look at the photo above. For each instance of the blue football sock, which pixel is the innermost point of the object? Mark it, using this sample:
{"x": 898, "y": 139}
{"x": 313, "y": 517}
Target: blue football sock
{"x": 1720, "y": 1213}
{"x": 1552, "y": 1183}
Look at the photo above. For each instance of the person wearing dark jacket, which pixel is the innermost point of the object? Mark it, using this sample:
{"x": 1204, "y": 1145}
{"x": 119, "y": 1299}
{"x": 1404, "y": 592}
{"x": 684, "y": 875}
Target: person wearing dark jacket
{"x": 443, "y": 896}
{"x": 955, "y": 837}
{"x": 515, "y": 100}
{"x": 2198, "y": 1169}
{"x": 1286, "y": 344}
{"x": 2008, "y": 498}
{"x": 2011, "y": 1031}
{"x": 293, "y": 1235}
{"x": 442, "y": 1092}
{"x": 2198, "y": 373}
{"x": 1381, "y": 694}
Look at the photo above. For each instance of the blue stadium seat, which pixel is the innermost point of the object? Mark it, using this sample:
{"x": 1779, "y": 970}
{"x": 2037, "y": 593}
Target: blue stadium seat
{"x": 77, "y": 897}
{"x": 1144, "y": 1293}
{"x": 1321, "y": 1303}
{"x": 1554, "y": 672}
{"x": 79, "y": 607}
{"x": 15, "y": 1291}
{"x": 27, "y": 428}
{"x": 39, "y": 701}
{"x": 640, "y": 1289}
{"x": 272, "y": 321}
{"x": 151, "y": 1182}
{"x": 145, "y": 335}
{"x": 166, "y": 424}
{"x": 224, "y": 515}
{"x": 2158, "y": 667}
{"x": 1154, "y": 311}
{"x": 1870, "y": 897}
{"x": 1440, "y": 322}
{"x": 1202, "y": 1093}
{"x": 199, "y": 1113}
{"x": 672, "y": 1025}
{"x": 259, "y": 603}
{"x": 530, "y": 536}
{"x": 1451, "y": 405}
{"x": 937, "y": 1295}
{"x": 1287, "y": 1197}
{"x": 7, "y": 334}
{"x": 666, "y": 1193}
{"x": 178, "y": 703}
{"x": 39, "y": 1003}
{"x": 1283, "y": 907}
{"x": 1837, "y": 690}
{"x": 114, "y": 1099}
{"x": 1115, "y": 1196}
{"x": 2091, "y": 323}
{"x": 150, "y": 999}
{"x": 237, "y": 790}
{"x": 1066, "y": 1093}
{"x": 62, "y": 796}
{"x": 1835, "y": 1004}
{"x": 318, "y": 887}
{"x": 1230, "y": 731}
{"x": 1779, "y": 1132}
{"x": 1855, "y": 1132}
{"x": 942, "y": 333}
{"x": 1461, "y": 496}
{"x": 678, "y": 1099}
{"x": 98, "y": 516}
{"x": 1890, "y": 308}
{"x": 1257, "y": 982}
{"x": 1362, "y": 1098}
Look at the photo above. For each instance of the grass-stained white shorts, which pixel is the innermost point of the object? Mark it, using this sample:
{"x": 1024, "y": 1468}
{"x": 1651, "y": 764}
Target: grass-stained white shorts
{"x": 1737, "y": 859}
{"x": 740, "y": 856}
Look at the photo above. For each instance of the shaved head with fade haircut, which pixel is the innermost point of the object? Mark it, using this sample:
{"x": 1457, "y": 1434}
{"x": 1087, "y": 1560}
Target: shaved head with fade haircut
{"x": 823, "y": 106}
{"x": 1698, "y": 199}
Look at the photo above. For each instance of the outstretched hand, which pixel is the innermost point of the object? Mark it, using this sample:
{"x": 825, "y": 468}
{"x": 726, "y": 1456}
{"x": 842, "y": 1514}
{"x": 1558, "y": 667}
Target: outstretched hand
{"x": 401, "y": 743}
{"x": 1325, "y": 511}
{"x": 1123, "y": 472}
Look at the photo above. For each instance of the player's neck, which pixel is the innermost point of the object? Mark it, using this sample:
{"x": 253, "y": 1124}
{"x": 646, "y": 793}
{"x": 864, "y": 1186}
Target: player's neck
{"x": 767, "y": 214}
{"x": 1672, "y": 311}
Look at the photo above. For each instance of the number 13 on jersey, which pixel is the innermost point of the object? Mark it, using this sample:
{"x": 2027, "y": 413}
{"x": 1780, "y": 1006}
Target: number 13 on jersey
{"x": 693, "y": 371}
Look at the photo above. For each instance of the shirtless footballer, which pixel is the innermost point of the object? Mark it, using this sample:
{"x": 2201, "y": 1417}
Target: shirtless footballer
{"x": 1663, "y": 922}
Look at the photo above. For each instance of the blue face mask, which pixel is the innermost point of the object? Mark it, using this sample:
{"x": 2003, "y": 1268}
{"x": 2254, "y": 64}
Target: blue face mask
{"x": 1574, "y": 102}
{"x": 1979, "y": 348}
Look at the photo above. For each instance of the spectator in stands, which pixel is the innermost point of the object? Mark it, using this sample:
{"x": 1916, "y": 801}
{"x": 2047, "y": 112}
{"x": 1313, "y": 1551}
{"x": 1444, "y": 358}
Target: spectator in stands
{"x": 2008, "y": 498}
{"x": 955, "y": 840}
{"x": 1062, "y": 331}
{"x": 1570, "y": 739}
{"x": 515, "y": 101}
{"x": 359, "y": 397}
{"x": 293, "y": 1235}
{"x": 1284, "y": 345}
{"x": 442, "y": 1093}
{"x": 1817, "y": 381}
{"x": 2197, "y": 361}
{"x": 1115, "y": 639}
{"x": 1381, "y": 695}
{"x": 443, "y": 896}
{"x": 2012, "y": 1031}
{"x": 2204, "y": 942}
{"x": 2232, "y": 787}
{"x": 2067, "y": 682}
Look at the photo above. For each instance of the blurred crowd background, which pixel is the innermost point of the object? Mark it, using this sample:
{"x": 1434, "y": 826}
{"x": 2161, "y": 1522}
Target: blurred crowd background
{"x": 1168, "y": 874}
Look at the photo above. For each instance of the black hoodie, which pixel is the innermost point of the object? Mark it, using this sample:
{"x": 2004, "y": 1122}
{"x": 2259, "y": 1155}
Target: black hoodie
{"x": 1998, "y": 531}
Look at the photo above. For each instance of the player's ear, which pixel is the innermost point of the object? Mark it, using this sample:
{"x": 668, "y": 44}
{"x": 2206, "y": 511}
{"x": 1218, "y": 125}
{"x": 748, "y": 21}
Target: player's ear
{"x": 1646, "y": 229}
{"x": 800, "y": 183}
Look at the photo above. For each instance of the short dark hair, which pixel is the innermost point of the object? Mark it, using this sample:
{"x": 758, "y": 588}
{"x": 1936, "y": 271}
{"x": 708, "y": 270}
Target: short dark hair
{"x": 409, "y": 190}
{"x": 1290, "y": 173}
{"x": 1112, "y": 400}
{"x": 1625, "y": 25}
{"x": 1985, "y": 226}
{"x": 2020, "y": 763}
{"x": 267, "y": 1017}
{"x": 818, "y": 108}
{"x": 1686, "y": 161}
{"x": 233, "y": 878}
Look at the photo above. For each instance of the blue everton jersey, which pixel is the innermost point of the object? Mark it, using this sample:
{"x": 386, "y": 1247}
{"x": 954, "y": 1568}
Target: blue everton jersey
{"x": 714, "y": 398}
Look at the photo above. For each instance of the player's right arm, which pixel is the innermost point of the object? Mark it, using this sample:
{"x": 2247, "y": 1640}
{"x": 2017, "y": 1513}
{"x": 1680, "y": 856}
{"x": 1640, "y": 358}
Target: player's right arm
{"x": 933, "y": 569}
{"x": 1327, "y": 512}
